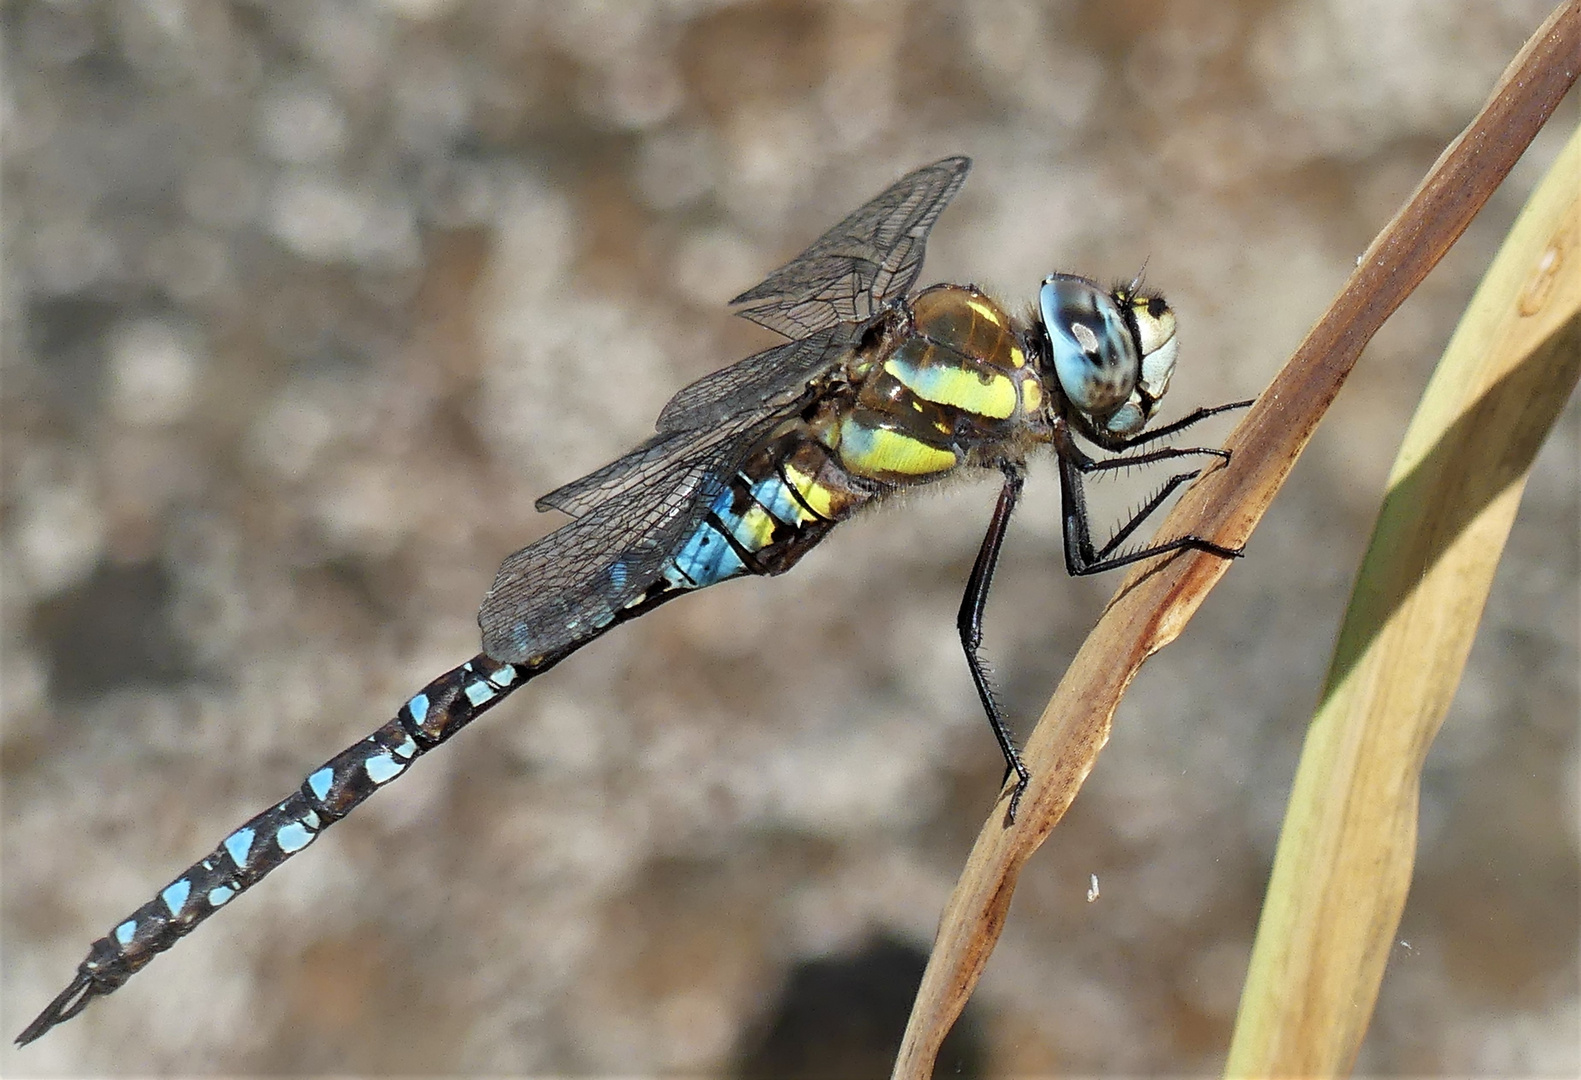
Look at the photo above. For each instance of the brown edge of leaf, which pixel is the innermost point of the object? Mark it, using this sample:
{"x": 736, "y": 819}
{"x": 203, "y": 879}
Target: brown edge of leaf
{"x": 1154, "y": 603}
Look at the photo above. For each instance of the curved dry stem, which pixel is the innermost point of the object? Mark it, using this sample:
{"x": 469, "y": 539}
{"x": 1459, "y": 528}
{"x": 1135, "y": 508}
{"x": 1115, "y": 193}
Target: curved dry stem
{"x": 1154, "y": 603}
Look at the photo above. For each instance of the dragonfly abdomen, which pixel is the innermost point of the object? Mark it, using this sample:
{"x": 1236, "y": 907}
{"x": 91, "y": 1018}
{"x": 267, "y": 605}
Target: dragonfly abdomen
{"x": 243, "y": 858}
{"x": 782, "y": 501}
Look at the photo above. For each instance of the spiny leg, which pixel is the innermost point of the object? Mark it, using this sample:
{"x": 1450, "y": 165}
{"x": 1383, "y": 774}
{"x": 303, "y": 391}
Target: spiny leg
{"x": 1141, "y": 514}
{"x": 1068, "y": 450}
{"x": 1081, "y": 556}
{"x": 332, "y": 791}
{"x": 970, "y": 623}
{"x": 1086, "y": 464}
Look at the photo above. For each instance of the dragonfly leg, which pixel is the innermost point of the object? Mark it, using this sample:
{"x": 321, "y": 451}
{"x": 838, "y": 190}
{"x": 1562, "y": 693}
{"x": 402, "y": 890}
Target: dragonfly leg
{"x": 1082, "y": 557}
{"x": 1068, "y": 448}
{"x": 970, "y": 624}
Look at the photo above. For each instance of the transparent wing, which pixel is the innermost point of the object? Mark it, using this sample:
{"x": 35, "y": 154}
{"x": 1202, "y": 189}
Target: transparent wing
{"x": 767, "y": 385}
{"x": 854, "y": 269}
{"x": 820, "y": 298}
{"x": 641, "y": 465}
{"x": 774, "y": 381}
{"x": 562, "y": 590}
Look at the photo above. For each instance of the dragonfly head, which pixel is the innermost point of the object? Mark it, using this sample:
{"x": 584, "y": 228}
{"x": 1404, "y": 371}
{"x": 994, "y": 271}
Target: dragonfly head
{"x": 1112, "y": 352}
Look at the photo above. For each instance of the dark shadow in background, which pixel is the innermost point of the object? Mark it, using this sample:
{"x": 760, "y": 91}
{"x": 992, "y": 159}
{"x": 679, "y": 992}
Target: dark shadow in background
{"x": 841, "y": 1018}
{"x": 112, "y": 631}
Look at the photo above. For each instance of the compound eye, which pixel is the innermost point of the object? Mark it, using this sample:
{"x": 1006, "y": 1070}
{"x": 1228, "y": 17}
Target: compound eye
{"x": 1094, "y": 354}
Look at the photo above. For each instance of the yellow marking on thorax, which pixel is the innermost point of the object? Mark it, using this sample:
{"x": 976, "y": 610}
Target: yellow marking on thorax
{"x": 874, "y": 451}
{"x": 985, "y": 309}
{"x": 957, "y": 387}
{"x": 1031, "y": 396}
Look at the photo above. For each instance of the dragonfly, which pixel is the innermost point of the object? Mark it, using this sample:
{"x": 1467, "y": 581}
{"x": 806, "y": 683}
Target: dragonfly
{"x": 876, "y": 389}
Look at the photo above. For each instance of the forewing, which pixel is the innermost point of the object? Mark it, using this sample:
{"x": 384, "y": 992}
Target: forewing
{"x": 774, "y": 381}
{"x": 556, "y": 593}
{"x": 868, "y": 259}
{"x": 822, "y": 298}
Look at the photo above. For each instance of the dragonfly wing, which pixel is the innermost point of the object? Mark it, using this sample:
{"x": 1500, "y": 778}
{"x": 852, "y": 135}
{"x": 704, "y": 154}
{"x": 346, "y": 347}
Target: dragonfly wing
{"x": 636, "y": 467}
{"x": 773, "y": 382}
{"x": 566, "y": 588}
{"x": 867, "y": 260}
{"x": 821, "y": 298}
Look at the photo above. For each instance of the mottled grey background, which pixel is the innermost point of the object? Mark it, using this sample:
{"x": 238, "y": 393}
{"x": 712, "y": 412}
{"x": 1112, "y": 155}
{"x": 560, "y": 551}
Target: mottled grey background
{"x": 304, "y": 303}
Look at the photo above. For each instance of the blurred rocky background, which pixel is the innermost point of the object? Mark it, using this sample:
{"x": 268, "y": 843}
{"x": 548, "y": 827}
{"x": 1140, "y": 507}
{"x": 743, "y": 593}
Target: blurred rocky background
{"x": 305, "y": 303}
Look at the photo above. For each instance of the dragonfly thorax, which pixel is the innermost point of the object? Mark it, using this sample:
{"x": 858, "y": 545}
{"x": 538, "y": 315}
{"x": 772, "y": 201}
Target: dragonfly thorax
{"x": 952, "y": 388}
{"x": 1112, "y": 353}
